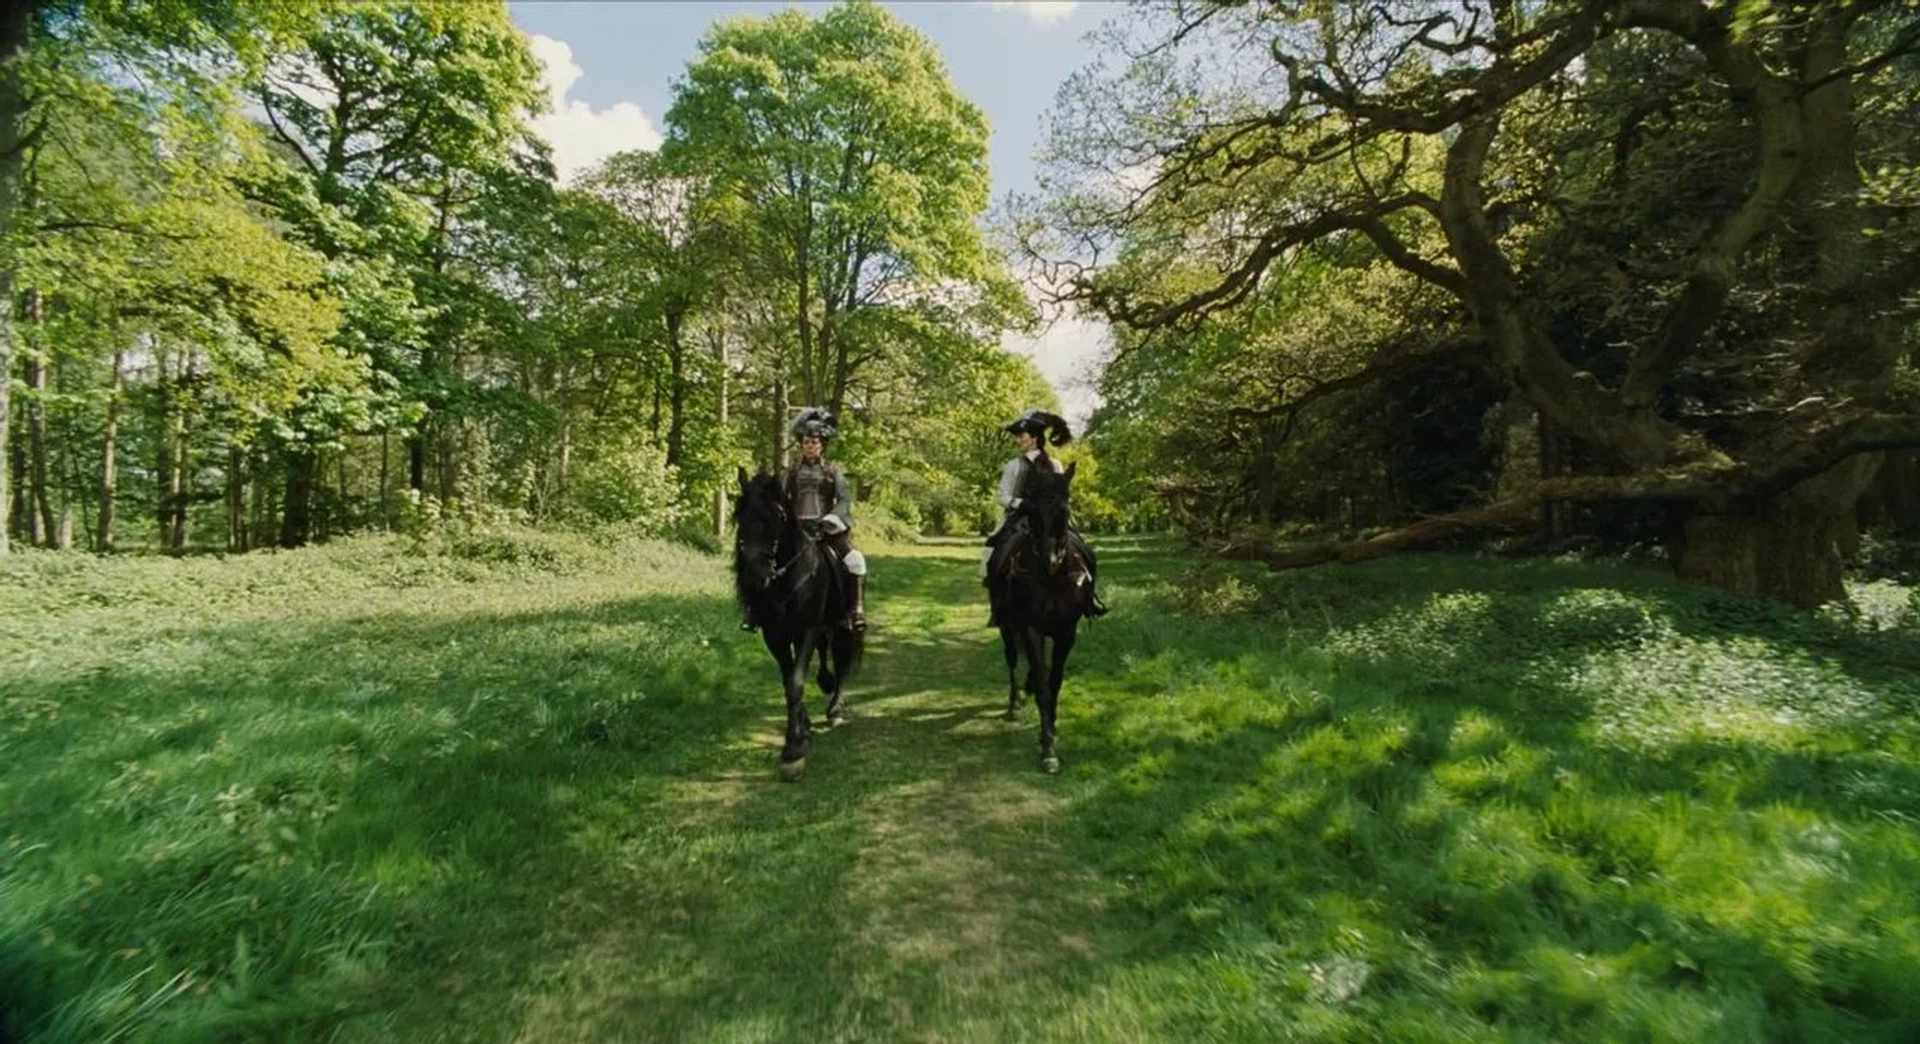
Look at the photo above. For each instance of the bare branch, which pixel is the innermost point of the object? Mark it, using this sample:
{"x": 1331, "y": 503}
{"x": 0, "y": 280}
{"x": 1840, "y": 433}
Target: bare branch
{"x": 1244, "y": 277}
{"x": 1906, "y": 42}
{"x": 299, "y": 150}
{"x": 1375, "y": 370}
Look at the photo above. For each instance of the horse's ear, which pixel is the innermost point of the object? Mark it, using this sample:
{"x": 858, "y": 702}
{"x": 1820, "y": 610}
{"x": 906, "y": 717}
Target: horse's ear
{"x": 1069, "y": 472}
{"x": 742, "y": 472}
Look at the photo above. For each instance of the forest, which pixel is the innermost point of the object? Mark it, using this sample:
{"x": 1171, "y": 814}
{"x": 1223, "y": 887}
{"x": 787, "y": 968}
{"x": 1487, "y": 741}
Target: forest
{"x": 1503, "y": 458}
{"x": 1634, "y": 277}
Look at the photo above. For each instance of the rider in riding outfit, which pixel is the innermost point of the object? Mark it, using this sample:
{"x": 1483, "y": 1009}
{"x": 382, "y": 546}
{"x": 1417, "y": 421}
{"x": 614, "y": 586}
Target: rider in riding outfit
{"x": 823, "y": 503}
{"x": 1030, "y": 433}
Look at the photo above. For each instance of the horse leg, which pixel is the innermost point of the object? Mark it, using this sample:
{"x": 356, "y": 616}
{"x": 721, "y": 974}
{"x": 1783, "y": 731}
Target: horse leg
{"x": 841, "y": 649}
{"x": 1036, "y": 647}
{"x": 793, "y": 674}
{"x": 1062, "y": 645}
{"x": 1012, "y": 652}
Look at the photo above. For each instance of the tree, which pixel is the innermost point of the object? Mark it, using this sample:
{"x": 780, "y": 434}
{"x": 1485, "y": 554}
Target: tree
{"x": 172, "y": 63}
{"x": 860, "y": 173}
{"x": 393, "y": 118}
{"x": 143, "y": 91}
{"x": 1789, "y": 265}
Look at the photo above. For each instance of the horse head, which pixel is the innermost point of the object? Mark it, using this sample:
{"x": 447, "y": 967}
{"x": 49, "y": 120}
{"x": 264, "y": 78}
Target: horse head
{"x": 761, "y": 519}
{"x": 1044, "y": 501}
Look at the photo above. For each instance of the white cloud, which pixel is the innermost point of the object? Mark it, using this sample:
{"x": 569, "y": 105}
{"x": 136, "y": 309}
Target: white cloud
{"x": 1068, "y": 353}
{"x": 579, "y": 135}
{"x": 1040, "y": 12}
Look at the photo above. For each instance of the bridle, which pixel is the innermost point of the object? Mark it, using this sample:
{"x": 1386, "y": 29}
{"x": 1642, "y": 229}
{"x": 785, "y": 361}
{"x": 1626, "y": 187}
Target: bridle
{"x": 1030, "y": 512}
{"x": 782, "y": 519}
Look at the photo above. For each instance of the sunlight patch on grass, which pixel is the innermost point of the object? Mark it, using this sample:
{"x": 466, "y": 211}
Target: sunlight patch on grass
{"x": 1680, "y": 689}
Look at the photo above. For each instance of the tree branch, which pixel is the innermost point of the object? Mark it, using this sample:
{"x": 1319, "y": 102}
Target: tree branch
{"x": 1742, "y": 483}
{"x": 1710, "y": 282}
{"x": 1375, "y": 370}
{"x": 1244, "y": 277}
{"x": 266, "y": 102}
{"x": 1905, "y": 42}
{"x": 1571, "y": 34}
{"x": 79, "y": 224}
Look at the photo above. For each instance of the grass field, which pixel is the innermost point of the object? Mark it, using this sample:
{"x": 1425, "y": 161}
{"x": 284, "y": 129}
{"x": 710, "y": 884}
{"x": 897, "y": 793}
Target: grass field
{"x": 526, "y": 793}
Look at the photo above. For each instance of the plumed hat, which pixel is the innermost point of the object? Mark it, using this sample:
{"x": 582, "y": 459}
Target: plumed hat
{"x": 1040, "y": 423}
{"x": 816, "y": 421}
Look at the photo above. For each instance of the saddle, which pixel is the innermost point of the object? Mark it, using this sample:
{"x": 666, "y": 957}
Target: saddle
{"x": 1002, "y": 542}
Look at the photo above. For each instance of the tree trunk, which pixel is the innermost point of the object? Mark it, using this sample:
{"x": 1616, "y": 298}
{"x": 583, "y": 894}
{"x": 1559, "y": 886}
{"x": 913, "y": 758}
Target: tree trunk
{"x": 180, "y": 484}
{"x": 417, "y": 460}
{"x": 69, "y": 485}
{"x": 260, "y": 510}
{"x": 726, "y": 376}
{"x": 296, "y": 519}
{"x": 1556, "y": 516}
{"x": 1266, "y": 498}
{"x": 1790, "y": 548}
{"x": 322, "y": 524}
{"x": 1900, "y": 492}
{"x": 653, "y": 421}
{"x": 563, "y": 480}
{"x": 386, "y": 456}
{"x": 677, "y": 394}
{"x": 19, "y": 514}
{"x": 109, "y": 455}
{"x": 16, "y": 19}
{"x": 38, "y": 500}
{"x": 162, "y": 446}
{"x": 842, "y": 374}
{"x": 236, "y": 499}
{"x": 779, "y": 424}
{"x": 444, "y": 452}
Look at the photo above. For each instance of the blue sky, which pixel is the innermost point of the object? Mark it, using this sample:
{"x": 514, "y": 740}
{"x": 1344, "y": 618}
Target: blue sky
{"x": 611, "y": 67}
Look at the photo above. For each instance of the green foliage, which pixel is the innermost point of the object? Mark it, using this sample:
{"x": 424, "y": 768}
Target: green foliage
{"x": 627, "y": 482}
{"x": 852, "y": 175}
{"x": 402, "y": 300}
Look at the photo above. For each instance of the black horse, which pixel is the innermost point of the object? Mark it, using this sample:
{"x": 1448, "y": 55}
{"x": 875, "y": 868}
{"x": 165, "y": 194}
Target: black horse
{"x": 797, "y": 594}
{"x": 1040, "y": 594}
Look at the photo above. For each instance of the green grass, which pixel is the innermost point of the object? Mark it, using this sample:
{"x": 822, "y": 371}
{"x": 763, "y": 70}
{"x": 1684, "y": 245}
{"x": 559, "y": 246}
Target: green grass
{"x": 525, "y": 792}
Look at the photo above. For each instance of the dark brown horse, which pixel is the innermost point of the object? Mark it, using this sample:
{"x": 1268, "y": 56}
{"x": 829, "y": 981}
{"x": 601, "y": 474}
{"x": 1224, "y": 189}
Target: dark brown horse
{"x": 795, "y": 590}
{"x": 1040, "y": 592}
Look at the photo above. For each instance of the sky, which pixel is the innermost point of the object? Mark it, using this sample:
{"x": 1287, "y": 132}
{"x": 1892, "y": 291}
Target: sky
{"x": 610, "y": 69}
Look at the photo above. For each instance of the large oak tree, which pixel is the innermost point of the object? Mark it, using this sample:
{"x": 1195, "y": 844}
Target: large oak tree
{"x": 1760, "y": 142}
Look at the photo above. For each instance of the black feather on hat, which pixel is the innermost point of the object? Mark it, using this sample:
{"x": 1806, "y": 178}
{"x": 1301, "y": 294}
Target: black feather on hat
{"x": 1040, "y": 423}
{"x": 816, "y": 421}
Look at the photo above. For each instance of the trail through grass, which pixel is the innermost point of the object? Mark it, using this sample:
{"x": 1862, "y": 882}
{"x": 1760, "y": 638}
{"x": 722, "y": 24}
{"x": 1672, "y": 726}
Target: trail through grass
{"x": 353, "y": 795}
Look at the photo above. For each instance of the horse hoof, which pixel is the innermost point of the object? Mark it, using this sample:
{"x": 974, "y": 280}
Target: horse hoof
{"x": 791, "y": 771}
{"x": 1050, "y": 765}
{"x": 836, "y": 720}
{"x": 1012, "y": 714}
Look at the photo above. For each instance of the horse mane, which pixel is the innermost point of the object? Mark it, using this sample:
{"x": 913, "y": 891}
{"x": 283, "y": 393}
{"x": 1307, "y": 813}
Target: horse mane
{"x": 762, "y": 487}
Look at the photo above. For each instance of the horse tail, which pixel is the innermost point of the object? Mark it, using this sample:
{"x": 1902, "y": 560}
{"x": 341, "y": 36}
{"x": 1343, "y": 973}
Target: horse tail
{"x": 849, "y": 647}
{"x": 840, "y": 658}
